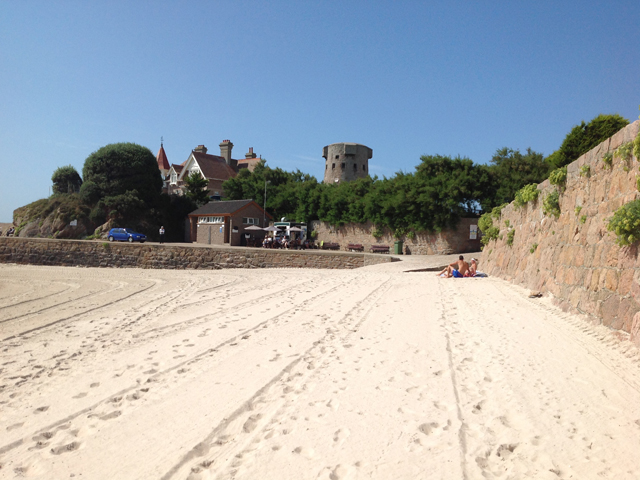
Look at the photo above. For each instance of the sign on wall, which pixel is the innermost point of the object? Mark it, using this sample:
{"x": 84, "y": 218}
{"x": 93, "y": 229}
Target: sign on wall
{"x": 473, "y": 232}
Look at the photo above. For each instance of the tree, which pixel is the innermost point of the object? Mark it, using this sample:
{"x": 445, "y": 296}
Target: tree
{"x": 121, "y": 169}
{"x": 584, "y": 137}
{"x": 66, "y": 180}
{"x": 508, "y": 172}
{"x": 197, "y": 190}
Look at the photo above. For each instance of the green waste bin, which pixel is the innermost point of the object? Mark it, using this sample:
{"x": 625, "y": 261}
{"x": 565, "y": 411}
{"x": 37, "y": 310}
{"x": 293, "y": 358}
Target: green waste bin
{"x": 397, "y": 248}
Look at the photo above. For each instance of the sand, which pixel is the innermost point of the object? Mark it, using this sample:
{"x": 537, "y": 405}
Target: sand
{"x": 305, "y": 374}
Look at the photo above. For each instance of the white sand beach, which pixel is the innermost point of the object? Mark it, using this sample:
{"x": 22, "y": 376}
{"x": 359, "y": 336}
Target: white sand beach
{"x": 306, "y": 374}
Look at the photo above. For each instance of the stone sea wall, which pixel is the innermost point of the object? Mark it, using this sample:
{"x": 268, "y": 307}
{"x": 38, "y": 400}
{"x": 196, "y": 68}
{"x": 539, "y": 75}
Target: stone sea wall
{"x": 38, "y": 251}
{"x": 424, "y": 243}
{"x": 574, "y": 257}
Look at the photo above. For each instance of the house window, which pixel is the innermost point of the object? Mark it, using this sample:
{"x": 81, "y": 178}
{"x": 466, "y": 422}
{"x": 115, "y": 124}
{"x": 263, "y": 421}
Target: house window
{"x": 250, "y": 221}
{"x": 174, "y": 178}
{"x": 355, "y": 167}
{"x": 342, "y": 166}
{"x": 333, "y": 166}
{"x": 337, "y": 157}
{"x": 210, "y": 219}
{"x": 364, "y": 168}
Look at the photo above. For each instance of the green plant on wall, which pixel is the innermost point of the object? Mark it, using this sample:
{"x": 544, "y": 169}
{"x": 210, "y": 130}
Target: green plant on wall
{"x": 377, "y": 233}
{"x": 625, "y": 223}
{"x": 551, "y": 204}
{"x": 507, "y": 223}
{"x": 533, "y": 248}
{"x": 578, "y": 208}
{"x": 510, "y": 236}
{"x": 607, "y": 159}
{"x": 558, "y": 177}
{"x": 585, "y": 171}
{"x": 526, "y": 194}
{"x": 624, "y": 151}
{"x": 411, "y": 234}
{"x": 583, "y": 219}
{"x": 486, "y": 226}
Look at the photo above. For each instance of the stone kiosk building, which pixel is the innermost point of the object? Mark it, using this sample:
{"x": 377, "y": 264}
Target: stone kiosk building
{"x": 224, "y": 223}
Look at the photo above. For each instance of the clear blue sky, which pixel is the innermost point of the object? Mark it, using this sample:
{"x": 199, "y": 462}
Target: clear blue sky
{"x": 406, "y": 78}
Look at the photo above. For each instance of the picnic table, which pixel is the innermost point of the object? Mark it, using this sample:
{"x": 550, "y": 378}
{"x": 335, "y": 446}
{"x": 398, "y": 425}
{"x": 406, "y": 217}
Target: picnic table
{"x": 379, "y": 248}
{"x": 355, "y": 247}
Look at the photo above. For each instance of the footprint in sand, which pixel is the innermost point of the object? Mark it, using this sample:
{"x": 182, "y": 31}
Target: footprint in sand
{"x": 428, "y": 428}
{"x": 80, "y": 395}
{"x": 340, "y": 436}
{"x": 109, "y": 416}
{"x": 94, "y": 385}
{"x": 41, "y": 409}
{"x": 70, "y": 447}
{"x": 14, "y": 426}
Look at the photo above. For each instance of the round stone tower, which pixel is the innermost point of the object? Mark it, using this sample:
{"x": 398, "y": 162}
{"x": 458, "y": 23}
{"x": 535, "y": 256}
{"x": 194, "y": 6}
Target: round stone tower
{"x": 345, "y": 162}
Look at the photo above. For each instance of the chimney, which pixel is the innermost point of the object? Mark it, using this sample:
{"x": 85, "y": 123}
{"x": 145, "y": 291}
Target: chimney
{"x": 200, "y": 149}
{"x": 225, "y": 150}
{"x": 250, "y": 154}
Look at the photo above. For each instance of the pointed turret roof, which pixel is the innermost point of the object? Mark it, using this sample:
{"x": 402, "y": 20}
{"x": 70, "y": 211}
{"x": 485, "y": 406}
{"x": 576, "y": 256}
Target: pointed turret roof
{"x": 163, "y": 163}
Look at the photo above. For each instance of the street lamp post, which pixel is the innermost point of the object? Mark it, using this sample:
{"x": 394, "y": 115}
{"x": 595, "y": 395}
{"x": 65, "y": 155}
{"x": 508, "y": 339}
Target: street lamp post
{"x": 264, "y": 210}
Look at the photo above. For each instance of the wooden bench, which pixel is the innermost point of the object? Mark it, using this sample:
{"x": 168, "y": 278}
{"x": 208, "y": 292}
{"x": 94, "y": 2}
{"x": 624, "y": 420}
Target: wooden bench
{"x": 379, "y": 248}
{"x": 330, "y": 246}
{"x": 355, "y": 247}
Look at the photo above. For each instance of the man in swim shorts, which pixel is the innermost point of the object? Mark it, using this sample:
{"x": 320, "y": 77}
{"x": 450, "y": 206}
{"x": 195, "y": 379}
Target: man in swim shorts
{"x": 456, "y": 269}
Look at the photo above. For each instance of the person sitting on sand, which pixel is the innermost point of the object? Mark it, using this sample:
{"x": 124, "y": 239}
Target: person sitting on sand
{"x": 456, "y": 269}
{"x": 473, "y": 268}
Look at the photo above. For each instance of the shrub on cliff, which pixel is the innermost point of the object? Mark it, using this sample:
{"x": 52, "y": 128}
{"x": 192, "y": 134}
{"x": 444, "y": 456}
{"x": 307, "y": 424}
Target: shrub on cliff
{"x": 66, "y": 180}
{"x": 584, "y": 137}
{"x": 625, "y": 223}
{"x": 558, "y": 177}
{"x": 51, "y": 217}
{"x": 486, "y": 226}
{"x": 119, "y": 169}
{"x": 526, "y": 194}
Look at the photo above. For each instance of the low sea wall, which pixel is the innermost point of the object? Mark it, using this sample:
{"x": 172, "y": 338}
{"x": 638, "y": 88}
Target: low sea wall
{"x": 574, "y": 256}
{"x": 41, "y": 251}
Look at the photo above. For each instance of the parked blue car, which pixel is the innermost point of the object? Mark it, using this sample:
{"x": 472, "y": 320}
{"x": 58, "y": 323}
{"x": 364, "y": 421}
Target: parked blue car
{"x": 126, "y": 235}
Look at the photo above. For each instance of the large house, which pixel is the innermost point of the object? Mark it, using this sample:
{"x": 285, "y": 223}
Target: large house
{"x": 215, "y": 168}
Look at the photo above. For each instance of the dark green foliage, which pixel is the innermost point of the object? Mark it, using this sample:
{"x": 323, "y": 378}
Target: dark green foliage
{"x": 508, "y": 172}
{"x": 196, "y": 188}
{"x": 173, "y": 210}
{"x": 66, "y": 180}
{"x": 119, "y": 168}
{"x": 433, "y": 198}
{"x": 584, "y": 137}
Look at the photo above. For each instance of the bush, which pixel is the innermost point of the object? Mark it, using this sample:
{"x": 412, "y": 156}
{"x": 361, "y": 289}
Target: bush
{"x": 558, "y": 177}
{"x": 510, "y": 236}
{"x": 585, "y": 171}
{"x": 583, "y": 219}
{"x": 377, "y": 233}
{"x": 625, "y": 223}
{"x": 551, "y": 204}
{"x": 607, "y": 159}
{"x": 624, "y": 151}
{"x": 485, "y": 224}
{"x": 578, "y": 210}
{"x": 584, "y": 137}
{"x": 533, "y": 248}
{"x": 526, "y": 194}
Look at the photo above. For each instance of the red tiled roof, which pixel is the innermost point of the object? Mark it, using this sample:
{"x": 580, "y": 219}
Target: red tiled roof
{"x": 213, "y": 166}
{"x": 163, "y": 163}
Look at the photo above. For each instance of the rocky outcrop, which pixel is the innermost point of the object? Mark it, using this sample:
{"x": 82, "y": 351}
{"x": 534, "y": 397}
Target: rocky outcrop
{"x": 574, "y": 257}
